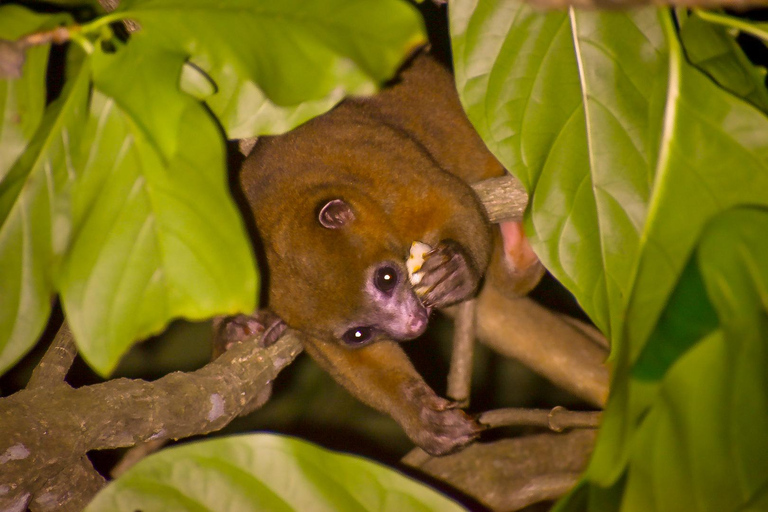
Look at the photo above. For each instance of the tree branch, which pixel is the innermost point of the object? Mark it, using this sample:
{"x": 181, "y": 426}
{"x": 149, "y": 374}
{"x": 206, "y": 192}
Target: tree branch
{"x": 44, "y": 431}
{"x": 504, "y": 198}
{"x": 512, "y": 473}
{"x": 540, "y": 339}
{"x": 56, "y": 361}
{"x": 556, "y": 419}
{"x": 460, "y": 374}
{"x": 47, "y": 429}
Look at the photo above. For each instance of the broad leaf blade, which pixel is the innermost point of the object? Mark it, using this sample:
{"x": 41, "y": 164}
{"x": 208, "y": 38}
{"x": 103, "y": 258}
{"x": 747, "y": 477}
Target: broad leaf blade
{"x": 713, "y": 50}
{"x": 22, "y": 101}
{"x": 714, "y": 157}
{"x": 570, "y": 103}
{"x": 245, "y": 111}
{"x": 34, "y": 178}
{"x": 702, "y": 444}
{"x": 157, "y": 235}
{"x": 627, "y": 150}
{"x": 269, "y": 57}
{"x": 264, "y": 472}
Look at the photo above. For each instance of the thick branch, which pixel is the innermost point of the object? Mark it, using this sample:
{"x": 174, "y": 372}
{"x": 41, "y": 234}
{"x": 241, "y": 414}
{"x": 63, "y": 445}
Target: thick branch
{"x": 540, "y": 339}
{"x": 44, "y": 431}
{"x": 504, "y": 198}
{"x": 513, "y": 473}
{"x": 71, "y": 491}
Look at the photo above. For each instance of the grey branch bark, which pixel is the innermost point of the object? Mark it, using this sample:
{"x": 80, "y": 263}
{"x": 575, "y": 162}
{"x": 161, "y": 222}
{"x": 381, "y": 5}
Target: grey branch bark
{"x": 71, "y": 489}
{"x": 46, "y": 431}
{"x": 504, "y": 198}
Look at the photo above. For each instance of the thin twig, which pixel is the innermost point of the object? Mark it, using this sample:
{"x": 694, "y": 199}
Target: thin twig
{"x": 460, "y": 373}
{"x": 556, "y": 419}
{"x": 135, "y": 454}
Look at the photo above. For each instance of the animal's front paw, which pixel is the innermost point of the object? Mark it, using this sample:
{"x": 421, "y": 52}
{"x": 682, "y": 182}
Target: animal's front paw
{"x": 442, "y": 427}
{"x": 231, "y": 330}
{"x": 447, "y": 276}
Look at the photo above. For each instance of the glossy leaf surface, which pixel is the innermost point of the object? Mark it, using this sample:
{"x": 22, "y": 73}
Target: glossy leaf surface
{"x": 35, "y": 174}
{"x": 156, "y": 232}
{"x": 264, "y": 472}
{"x": 302, "y": 57}
{"x": 628, "y": 151}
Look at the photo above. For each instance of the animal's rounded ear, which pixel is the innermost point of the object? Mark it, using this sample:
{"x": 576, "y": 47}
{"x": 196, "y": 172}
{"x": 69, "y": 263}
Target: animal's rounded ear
{"x": 335, "y": 214}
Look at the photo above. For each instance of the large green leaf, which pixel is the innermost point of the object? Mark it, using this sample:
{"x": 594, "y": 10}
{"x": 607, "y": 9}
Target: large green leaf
{"x": 714, "y": 156}
{"x": 22, "y": 100}
{"x": 267, "y": 58}
{"x": 570, "y": 103}
{"x": 628, "y": 151}
{"x": 35, "y": 173}
{"x": 701, "y": 445}
{"x": 712, "y": 49}
{"x": 156, "y": 233}
{"x": 264, "y": 472}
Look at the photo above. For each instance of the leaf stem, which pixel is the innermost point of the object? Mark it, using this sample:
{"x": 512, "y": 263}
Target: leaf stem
{"x": 729, "y": 21}
{"x": 103, "y": 21}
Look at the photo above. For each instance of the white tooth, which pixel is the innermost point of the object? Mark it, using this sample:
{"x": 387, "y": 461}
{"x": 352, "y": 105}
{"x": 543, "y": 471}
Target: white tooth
{"x": 416, "y": 260}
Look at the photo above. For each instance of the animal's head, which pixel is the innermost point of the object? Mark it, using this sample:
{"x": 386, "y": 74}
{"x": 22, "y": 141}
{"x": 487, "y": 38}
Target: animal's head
{"x": 346, "y": 277}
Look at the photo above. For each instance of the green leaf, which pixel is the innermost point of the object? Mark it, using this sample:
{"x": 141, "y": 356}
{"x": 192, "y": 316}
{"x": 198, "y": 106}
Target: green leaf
{"x": 156, "y": 233}
{"x": 627, "y": 151}
{"x": 145, "y": 82}
{"x": 195, "y": 82}
{"x": 570, "y": 103}
{"x": 34, "y": 178}
{"x": 701, "y": 446}
{"x": 754, "y": 28}
{"x": 264, "y": 472}
{"x": 686, "y": 319}
{"x": 700, "y": 443}
{"x": 266, "y": 55}
{"x": 245, "y": 111}
{"x": 21, "y": 101}
{"x": 712, "y": 49}
{"x": 713, "y": 157}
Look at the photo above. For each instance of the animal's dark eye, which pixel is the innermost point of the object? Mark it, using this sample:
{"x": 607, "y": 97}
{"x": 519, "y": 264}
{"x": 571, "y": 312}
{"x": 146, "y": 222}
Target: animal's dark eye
{"x": 385, "y": 279}
{"x": 357, "y": 335}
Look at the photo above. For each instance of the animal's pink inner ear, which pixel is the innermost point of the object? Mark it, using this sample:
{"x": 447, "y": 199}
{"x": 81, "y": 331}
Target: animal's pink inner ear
{"x": 335, "y": 214}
